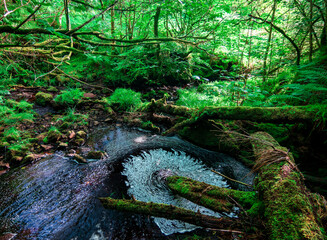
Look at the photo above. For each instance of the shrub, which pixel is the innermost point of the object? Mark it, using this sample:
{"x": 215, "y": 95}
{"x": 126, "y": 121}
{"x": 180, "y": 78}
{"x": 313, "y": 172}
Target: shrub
{"x": 125, "y": 99}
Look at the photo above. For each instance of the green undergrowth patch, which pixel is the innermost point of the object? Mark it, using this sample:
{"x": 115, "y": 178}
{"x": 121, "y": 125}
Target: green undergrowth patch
{"x": 69, "y": 97}
{"x": 124, "y": 100}
{"x": 72, "y": 118}
{"x": 223, "y": 93}
{"x": 13, "y": 113}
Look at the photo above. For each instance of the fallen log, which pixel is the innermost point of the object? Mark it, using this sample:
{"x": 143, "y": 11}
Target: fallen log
{"x": 213, "y": 197}
{"x": 291, "y": 210}
{"x": 170, "y": 212}
{"x": 287, "y": 114}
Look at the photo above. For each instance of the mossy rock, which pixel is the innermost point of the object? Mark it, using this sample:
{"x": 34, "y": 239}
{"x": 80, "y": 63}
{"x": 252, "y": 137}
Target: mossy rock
{"x": 81, "y": 134}
{"x": 95, "y": 154}
{"x": 52, "y": 89}
{"x": 53, "y": 136}
{"x": 43, "y": 98}
{"x": 79, "y": 158}
{"x": 79, "y": 141}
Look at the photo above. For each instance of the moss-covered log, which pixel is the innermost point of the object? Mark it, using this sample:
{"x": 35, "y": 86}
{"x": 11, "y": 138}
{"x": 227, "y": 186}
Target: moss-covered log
{"x": 287, "y": 114}
{"x": 170, "y": 212}
{"x": 291, "y": 210}
{"x": 213, "y": 197}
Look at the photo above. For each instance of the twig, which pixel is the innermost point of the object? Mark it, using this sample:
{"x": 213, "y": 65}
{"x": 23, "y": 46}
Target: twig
{"x": 231, "y": 179}
{"x": 48, "y": 72}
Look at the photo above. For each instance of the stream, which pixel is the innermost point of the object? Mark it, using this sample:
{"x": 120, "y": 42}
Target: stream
{"x": 57, "y": 198}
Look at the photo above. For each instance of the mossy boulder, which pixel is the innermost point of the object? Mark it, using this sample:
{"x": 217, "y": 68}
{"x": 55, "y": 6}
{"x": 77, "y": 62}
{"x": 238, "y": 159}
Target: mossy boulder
{"x": 53, "y": 136}
{"x": 43, "y": 98}
{"x": 95, "y": 154}
{"x": 52, "y": 89}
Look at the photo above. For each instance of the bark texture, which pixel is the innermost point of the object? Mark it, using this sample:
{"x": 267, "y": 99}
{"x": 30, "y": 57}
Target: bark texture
{"x": 291, "y": 210}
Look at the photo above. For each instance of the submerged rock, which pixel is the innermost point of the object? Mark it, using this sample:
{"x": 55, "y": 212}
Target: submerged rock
{"x": 79, "y": 158}
{"x": 95, "y": 154}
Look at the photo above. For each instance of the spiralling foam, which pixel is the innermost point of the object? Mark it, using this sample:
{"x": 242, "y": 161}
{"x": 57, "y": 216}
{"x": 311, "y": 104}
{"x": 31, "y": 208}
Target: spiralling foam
{"x": 143, "y": 178}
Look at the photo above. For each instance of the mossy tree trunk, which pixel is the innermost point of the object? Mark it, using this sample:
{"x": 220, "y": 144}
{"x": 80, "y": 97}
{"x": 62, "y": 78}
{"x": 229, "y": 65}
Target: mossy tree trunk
{"x": 213, "y": 197}
{"x": 170, "y": 212}
{"x": 288, "y": 114}
{"x": 291, "y": 210}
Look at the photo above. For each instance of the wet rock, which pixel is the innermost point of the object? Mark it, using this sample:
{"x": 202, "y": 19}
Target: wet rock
{"x": 79, "y": 158}
{"x": 43, "y": 98}
{"x": 95, "y": 154}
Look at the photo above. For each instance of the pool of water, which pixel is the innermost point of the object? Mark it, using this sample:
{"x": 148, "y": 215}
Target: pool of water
{"x": 57, "y": 198}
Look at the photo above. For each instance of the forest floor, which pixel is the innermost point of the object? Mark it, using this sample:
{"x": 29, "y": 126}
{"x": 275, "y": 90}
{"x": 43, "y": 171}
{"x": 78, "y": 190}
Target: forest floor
{"x": 89, "y": 114}
{"x": 58, "y": 127}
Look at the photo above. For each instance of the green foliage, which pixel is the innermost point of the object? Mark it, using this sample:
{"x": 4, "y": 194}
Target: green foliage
{"x": 125, "y": 99}
{"x": 69, "y": 97}
{"x": 12, "y": 113}
{"x": 227, "y": 93}
{"x": 12, "y": 134}
{"x": 72, "y": 118}
{"x": 307, "y": 85}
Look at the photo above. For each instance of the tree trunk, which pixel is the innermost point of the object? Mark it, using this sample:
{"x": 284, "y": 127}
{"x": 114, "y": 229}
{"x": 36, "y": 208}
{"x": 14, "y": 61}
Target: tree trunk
{"x": 268, "y": 42}
{"x": 291, "y": 211}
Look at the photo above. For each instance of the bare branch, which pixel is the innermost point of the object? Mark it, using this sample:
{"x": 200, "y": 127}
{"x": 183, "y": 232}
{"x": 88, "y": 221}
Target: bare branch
{"x": 91, "y": 19}
{"x": 31, "y": 15}
{"x": 278, "y": 29}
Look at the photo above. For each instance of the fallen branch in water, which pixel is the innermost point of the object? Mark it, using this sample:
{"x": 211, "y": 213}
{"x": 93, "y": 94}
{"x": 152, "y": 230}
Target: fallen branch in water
{"x": 170, "y": 212}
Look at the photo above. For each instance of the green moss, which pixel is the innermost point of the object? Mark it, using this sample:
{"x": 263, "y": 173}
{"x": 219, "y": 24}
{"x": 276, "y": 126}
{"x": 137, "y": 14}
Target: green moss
{"x": 148, "y": 125}
{"x": 70, "y": 97}
{"x": 72, "y": 118}
{"x": 53, "y": 135}
{"x": 43, "y": 98}
{"x": 52, "y": 89}
{"x": 125, "y": 99}
{"x": 12, "y": 134}
{"x": 257, "y": 209}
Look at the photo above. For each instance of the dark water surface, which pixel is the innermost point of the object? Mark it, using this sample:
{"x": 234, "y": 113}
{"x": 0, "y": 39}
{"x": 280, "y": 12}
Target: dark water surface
{"x": 56, "y": 198}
